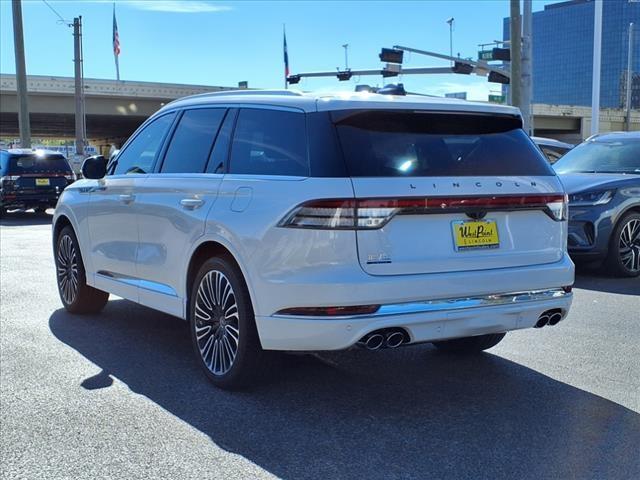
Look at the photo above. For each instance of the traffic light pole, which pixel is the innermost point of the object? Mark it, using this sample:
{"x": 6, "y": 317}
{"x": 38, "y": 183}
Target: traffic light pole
{"x": 527, "y": 77}
{"x": 516, "y": 49}
{"x": 480, "y": 65}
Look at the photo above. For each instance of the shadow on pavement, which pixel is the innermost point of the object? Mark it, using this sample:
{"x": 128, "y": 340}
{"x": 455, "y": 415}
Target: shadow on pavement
{"x": 410, "y": 413}
{"x": 592, "y": 280}
{"x": 20, "y": 218}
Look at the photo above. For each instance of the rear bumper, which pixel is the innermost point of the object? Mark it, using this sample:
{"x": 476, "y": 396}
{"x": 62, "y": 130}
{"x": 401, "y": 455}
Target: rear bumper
{"x": 423, "y": 321}
{"x": 18, "y": 200}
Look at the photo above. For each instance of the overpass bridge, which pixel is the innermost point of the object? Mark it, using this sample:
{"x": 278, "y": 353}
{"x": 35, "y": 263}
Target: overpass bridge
{"x": 114, "y": 109}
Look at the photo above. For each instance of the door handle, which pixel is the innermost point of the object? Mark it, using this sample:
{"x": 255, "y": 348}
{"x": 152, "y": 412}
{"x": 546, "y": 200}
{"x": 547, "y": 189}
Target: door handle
{"x": 191, "y": 203}
{"x": 127, "y": 198}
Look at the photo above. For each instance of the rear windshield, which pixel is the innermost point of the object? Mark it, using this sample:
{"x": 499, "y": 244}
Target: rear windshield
{"x": 423, "y": 144}
{"x": 37, "y": 164}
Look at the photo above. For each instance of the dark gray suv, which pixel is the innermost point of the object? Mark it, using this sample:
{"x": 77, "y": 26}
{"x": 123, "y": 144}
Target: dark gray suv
{"x": 602, "y": 178}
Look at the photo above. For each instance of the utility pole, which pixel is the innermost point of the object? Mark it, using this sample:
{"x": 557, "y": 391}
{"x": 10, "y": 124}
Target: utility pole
{"x": 516, "y": 51}
{"x": 79, "y": 87}
{"x": 597, "y": 56}
{"x": 627, "y": 102}
{"x": 527, "y": 69}
{"x": 21, "y": 76}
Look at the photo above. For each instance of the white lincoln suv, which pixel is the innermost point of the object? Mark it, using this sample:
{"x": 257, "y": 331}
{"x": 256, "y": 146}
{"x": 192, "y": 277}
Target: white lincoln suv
{"x": 275, "y": 220}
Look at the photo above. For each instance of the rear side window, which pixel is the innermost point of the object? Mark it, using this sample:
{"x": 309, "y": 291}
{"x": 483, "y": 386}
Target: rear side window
{"x": 270, "y": 142}
{"x": 139, "y": 156}
{"x": 18, "y": 165}
{"x": 192, "y": 141}
{"x": 422, "y": 144}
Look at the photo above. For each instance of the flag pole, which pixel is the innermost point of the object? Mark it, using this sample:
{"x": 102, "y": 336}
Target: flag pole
{"x": 286, "y": 57}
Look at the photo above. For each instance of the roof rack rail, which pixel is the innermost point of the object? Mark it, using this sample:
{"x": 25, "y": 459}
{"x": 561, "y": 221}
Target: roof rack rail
{"x": 256, "y": 92}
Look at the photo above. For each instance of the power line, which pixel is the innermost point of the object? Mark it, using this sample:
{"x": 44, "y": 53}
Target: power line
{"x": 62, "y": 20}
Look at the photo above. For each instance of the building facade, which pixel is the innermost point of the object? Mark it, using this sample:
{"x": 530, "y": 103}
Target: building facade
{"x": 563, "y": 52}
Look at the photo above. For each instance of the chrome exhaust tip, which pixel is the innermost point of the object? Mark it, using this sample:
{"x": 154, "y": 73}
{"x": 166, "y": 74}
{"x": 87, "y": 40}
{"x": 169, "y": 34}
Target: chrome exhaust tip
{"x": 555, "y": 318}
{"x": 373, "y": 341}
{"x": 542, "y": 321}
{"x": 394, "y": 339}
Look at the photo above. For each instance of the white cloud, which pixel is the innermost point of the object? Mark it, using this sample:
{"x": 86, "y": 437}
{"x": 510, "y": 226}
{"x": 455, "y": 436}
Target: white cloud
{"x": 177, "y": 6}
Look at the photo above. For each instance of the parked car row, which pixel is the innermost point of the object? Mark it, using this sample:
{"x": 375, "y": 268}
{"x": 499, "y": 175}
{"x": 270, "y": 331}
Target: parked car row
{"x": 276, "y": 221}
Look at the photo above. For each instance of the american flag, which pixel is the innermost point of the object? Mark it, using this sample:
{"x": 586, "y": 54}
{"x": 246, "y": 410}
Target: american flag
{"x": 116, "y": 42}
{"x": 116, "y": 38}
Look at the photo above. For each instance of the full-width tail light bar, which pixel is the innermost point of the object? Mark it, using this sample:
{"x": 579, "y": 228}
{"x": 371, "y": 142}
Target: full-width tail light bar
{"x": 373, "y": 213}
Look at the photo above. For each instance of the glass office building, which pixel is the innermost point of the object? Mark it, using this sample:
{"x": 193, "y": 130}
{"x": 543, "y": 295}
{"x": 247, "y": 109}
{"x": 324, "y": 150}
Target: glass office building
{"x": 563, "y": 52}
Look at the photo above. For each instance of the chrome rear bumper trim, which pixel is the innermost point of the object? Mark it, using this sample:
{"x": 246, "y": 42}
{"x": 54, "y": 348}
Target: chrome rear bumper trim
{"x": 453, "y": 304}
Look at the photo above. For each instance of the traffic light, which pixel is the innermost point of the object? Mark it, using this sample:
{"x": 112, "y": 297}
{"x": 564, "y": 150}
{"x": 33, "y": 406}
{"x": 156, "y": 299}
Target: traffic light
{"x": 463, "y": 68}
{"x": 344, "y": 75}
{"x": 389, "y": 73}
{"x": 293, "y": 79}
{"x": 391, "y": 55}
{"x": 503, "y": 54}
{"x": 498, "y": 78}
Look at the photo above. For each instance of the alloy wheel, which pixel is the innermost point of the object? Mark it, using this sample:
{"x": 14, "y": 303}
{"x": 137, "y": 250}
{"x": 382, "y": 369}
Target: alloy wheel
{"x": 67, "y": 269}
{"x": 629, "y": 245}
{"x": 216, "y": 322}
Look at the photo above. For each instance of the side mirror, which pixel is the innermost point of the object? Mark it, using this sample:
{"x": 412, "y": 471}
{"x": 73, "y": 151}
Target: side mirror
{"x": 94, "y": 167}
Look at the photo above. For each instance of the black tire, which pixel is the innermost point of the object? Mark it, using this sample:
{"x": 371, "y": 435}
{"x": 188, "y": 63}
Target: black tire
{"x": 470, "y": 344}
{"x": 216, "y": 329}
{"x": 75, "y": 294}
{"x": 623, "y": 258}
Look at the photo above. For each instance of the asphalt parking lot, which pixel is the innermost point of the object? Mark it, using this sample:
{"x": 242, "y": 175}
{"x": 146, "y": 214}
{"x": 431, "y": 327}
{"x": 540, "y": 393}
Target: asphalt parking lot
{"x": 120, "y": 396}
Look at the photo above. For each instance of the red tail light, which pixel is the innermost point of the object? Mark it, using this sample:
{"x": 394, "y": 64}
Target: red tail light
{"x": 372, "y": 213}
{"x": 330, "y": 311}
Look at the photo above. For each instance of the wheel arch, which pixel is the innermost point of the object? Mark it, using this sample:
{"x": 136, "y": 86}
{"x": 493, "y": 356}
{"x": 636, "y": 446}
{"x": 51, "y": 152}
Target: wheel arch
{"x": 207, "y": 249}
{"x": 60, "y": 222}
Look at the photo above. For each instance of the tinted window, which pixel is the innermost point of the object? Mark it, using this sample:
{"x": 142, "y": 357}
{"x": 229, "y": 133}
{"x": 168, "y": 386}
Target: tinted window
{"x": 270, "y": 142}
{"x": 140, "y": 154}
{"x": 600, "y": 155}
{"x": 191, "y": 143}
{"x": 415, "y": 144}
{"x": 35, "y": 164}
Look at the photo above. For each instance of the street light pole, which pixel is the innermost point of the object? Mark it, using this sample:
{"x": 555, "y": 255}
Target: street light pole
{"x": 346, "y": 56}
{"x": 597, "y": 54}
{"x": 450, "y": 22}
{"x": 627, "y": 102}
{"x": 21, "y": 76}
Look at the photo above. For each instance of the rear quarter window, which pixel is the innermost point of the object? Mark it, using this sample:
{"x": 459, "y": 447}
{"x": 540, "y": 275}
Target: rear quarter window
{"x": 415, "y": 144}
{"x": 270, "y": 142}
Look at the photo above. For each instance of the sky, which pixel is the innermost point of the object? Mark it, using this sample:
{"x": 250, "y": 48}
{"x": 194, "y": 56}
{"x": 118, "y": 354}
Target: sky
{"x": 221, "y": 43}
